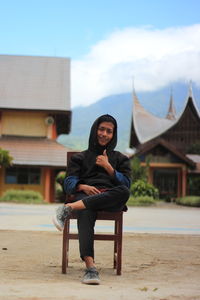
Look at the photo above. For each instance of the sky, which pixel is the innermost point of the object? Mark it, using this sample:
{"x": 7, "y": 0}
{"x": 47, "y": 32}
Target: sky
{"x": 110, "y": 43}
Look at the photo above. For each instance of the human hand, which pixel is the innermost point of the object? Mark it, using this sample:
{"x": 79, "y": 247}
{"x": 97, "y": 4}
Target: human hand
{"x": 102, "y": 160}
{"x": 88, "y": 189}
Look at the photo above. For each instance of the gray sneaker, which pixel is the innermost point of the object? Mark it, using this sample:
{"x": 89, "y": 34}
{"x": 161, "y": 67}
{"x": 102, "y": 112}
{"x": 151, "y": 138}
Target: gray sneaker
{"x": 91, "y": 276}
{"x": 62, "y": 213}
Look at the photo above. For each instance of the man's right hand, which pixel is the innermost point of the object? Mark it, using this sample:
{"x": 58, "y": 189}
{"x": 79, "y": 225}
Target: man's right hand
{"x": 88, "y": 189}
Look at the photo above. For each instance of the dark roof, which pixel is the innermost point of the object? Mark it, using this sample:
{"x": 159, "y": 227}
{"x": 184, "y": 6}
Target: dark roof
{"x": 146, "y": 126}
{"x": 148, "y": 146}
{"x": 35, "y": 151}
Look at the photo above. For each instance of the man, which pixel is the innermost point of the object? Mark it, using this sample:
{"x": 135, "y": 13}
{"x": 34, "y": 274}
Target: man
{"x": 99, "y": 178}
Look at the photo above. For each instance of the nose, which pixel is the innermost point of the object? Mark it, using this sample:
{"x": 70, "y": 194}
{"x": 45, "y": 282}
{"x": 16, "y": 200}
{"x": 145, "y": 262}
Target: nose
{"x": 104, "y": 132}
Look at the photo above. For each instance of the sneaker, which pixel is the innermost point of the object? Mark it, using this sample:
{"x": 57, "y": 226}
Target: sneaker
{"x": 91, "y": 276}
{"x": 62, "y": 213}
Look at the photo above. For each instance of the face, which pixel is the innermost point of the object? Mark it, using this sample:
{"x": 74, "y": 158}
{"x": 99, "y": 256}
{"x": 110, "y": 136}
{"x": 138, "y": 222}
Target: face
{"x": 105, "y": 133}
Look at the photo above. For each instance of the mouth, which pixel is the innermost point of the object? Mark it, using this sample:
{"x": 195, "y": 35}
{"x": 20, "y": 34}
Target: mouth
{"x": 102, "y": 140}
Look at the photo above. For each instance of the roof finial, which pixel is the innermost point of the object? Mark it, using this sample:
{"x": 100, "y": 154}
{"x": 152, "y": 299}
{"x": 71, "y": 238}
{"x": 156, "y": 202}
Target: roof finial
{"x": 135, "y": 99}
{"x": 133, "y": 84}
{"x": 190, "y": 89}
{"x": 171, "y": 115}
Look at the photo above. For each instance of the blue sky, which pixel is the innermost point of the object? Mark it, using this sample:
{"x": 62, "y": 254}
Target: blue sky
{"x": 91, "y": 33}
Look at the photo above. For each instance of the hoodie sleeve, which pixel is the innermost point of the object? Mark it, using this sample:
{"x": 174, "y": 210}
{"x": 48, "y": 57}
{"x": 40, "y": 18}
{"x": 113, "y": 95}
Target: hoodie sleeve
{"x": 123, "y": 171}
{"x": 122, "y": 179}
{"x": 73, "y": 171}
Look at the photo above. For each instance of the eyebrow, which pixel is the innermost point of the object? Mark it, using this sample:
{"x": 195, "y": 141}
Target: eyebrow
{"x": 105, "y": 128}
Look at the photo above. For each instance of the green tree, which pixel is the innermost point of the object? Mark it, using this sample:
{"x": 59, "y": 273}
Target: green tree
{"x": 5, "y": 158}
{"x": 139, "y": 172}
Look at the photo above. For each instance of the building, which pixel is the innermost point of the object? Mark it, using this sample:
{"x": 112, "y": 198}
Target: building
{"x": 167, "y": 142}
{"x": 34, "y": 110}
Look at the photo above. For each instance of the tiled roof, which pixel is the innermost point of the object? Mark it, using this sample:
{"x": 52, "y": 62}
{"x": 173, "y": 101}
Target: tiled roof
{"x": 34, "y": 82}
{"x": 35, "y": 151}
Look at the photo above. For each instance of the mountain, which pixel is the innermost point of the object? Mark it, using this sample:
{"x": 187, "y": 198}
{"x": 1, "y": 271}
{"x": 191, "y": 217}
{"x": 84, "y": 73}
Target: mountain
{"x": 120, "y": 107}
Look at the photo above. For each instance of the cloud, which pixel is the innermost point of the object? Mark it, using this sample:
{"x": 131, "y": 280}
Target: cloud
{"x": 153, "y": 57}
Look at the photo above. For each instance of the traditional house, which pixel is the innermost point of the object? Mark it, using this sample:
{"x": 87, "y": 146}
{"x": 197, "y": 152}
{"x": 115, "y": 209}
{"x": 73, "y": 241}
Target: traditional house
{"x": 34, "y": 110}
{"x": 167, "y": 142}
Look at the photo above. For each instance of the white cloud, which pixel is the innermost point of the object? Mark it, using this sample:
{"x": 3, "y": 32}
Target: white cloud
{"x": 153, "y": 57}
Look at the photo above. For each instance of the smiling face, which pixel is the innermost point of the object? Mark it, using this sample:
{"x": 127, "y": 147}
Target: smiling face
{"x": 105, "y": 133}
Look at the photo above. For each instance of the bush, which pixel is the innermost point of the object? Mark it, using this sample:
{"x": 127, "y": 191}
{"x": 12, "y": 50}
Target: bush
{"x": 141, "y": 201}
{"x": 22, "y": 196}
{"x": 189, "y": 201}
{"x": 143, "y": 188}
{"x": 138, "y": 172}
{"x": 5, "y": 158}
{"x": 60, "y": 177}
{"x": 60, "y": 194}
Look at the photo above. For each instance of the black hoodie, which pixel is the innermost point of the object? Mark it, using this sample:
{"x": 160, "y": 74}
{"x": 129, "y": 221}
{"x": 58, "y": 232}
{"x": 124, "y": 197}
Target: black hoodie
{"x": 82, "y": 167}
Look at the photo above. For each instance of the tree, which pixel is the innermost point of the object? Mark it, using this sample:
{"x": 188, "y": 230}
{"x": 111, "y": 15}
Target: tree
{"x": 138, "y": 171}
{"x": 5, "y": 158}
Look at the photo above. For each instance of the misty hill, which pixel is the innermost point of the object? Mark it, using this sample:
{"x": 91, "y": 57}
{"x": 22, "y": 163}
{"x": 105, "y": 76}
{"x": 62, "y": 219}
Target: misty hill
{"x": 120, "y": 107}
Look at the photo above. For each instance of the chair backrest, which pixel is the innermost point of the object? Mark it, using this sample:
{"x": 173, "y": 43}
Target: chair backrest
{"x": 69, "y": 155}
{"x": 69, "y": 198}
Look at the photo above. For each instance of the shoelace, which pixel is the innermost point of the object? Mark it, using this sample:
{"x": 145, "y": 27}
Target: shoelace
{"x": 60, "y": 213}
{"x": 91, "y": 271}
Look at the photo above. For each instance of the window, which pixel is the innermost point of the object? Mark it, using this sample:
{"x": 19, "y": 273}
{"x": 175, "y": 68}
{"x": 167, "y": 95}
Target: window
{"x": 23, "y": 175}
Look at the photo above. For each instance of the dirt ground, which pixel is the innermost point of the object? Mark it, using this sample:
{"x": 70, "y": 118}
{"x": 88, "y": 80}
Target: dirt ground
{"x": 155, "y": 266}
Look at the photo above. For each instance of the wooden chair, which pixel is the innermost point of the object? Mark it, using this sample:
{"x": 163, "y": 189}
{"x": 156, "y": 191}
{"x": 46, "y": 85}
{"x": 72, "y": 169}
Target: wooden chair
{"x": 115, "y": 236}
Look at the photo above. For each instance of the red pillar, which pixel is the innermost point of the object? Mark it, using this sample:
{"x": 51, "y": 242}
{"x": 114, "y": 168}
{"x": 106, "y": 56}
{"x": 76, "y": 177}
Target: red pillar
{"x": 49, "y": 185}
{"x": 184, "y": 181}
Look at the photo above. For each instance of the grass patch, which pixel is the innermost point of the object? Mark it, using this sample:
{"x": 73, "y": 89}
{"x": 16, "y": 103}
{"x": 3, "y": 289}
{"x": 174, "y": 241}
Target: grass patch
{"x": 141, "y": 201}
{"x": 22, "y": 196}
{"x": 189, "y": 201}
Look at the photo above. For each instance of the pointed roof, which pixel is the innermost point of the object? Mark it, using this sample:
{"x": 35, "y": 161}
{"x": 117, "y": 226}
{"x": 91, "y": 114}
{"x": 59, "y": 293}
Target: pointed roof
{"x": 190, "y": 98}
{"x": 171, "y": 115}
{"x": 147, "y": 126}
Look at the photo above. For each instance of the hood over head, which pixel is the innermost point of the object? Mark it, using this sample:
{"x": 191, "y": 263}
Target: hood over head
{"x": 93, "y": 142}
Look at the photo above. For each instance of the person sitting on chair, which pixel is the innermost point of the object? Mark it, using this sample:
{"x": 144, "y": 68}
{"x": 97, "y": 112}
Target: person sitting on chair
{"x": 99, "y": 179}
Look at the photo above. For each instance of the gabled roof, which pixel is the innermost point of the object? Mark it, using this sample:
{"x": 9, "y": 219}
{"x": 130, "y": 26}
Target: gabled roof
{"x": 159, "y": 141}
{"x": 147, "y": 126}
{"x": 34, "y": 83}
{"x": 35, "y": 151}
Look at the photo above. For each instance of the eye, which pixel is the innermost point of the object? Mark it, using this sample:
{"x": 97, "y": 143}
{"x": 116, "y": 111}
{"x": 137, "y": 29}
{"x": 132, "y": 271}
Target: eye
{"x": 108, "y": 130}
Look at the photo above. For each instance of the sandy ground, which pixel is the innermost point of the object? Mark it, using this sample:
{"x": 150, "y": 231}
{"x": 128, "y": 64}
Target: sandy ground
{"x": 155, "y": 266}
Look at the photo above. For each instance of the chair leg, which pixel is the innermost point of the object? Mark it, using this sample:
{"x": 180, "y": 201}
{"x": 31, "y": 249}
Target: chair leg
{"x": 119, "y": 246}
{"x": 65, "y": 250}
{"x": 115, "y": 248}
